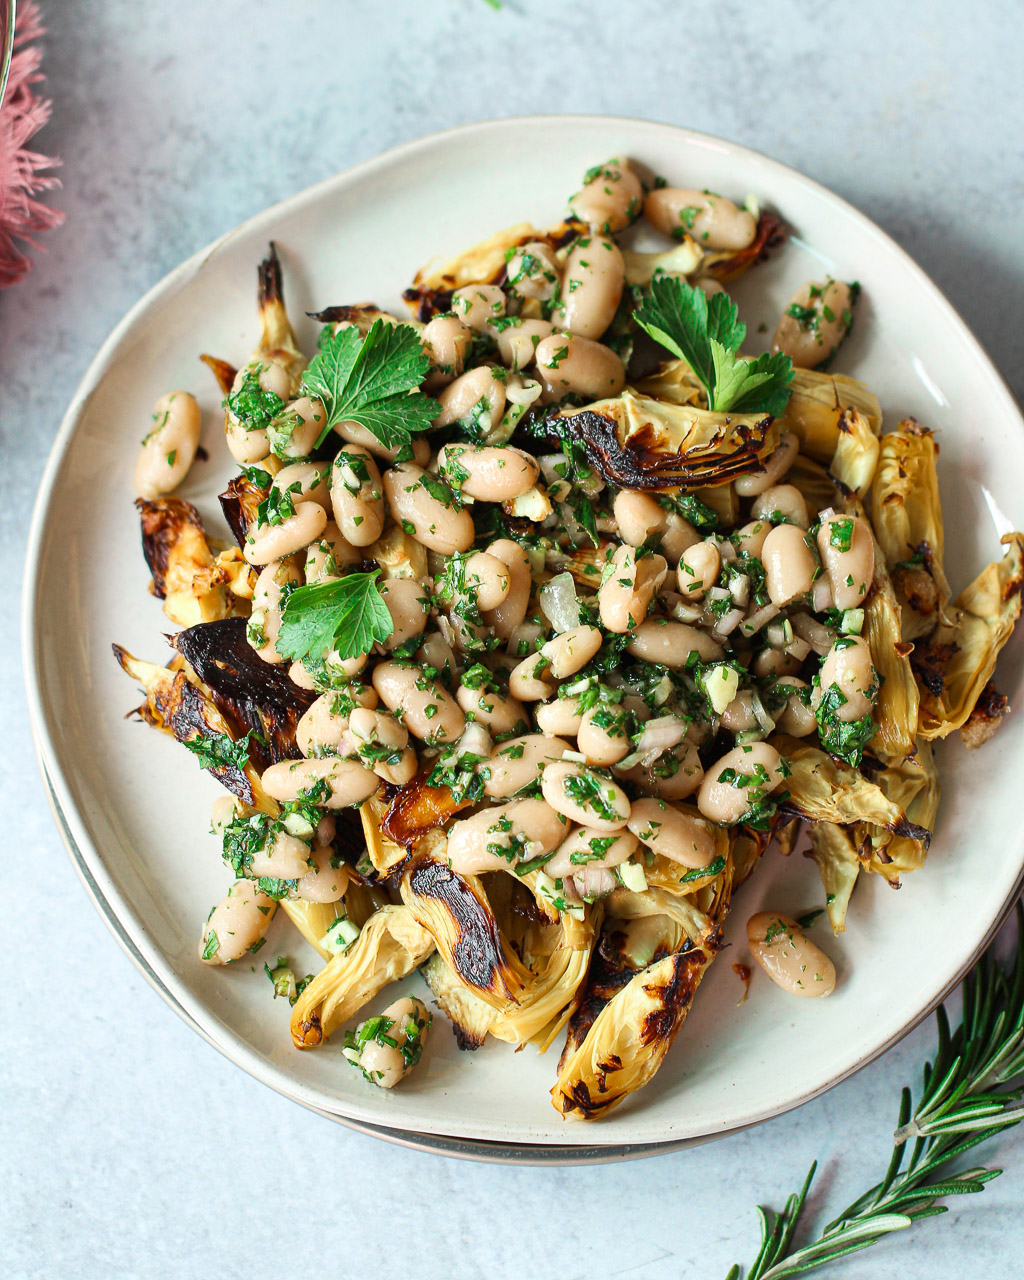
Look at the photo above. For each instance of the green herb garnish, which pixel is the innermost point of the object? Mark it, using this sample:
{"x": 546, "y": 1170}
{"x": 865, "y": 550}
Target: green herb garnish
{"x": 348, "y": 616}
{"x": 369, "y": 381}
{"x": 707, "y": 334}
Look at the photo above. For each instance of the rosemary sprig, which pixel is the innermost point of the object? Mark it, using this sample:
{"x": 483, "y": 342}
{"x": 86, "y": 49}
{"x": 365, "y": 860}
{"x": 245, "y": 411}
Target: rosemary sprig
{"x": 971, "y": 1092}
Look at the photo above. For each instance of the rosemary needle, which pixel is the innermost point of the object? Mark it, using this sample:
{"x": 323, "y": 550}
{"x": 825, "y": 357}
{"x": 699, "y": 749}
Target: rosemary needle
{"x": 971, "y": 1092}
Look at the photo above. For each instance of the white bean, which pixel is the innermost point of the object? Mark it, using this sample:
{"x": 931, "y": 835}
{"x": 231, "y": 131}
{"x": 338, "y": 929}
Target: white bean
{"x": 265, "y": 619}
{"x": 323, "y": 883}
{"x": 478, "y": 305}
{"x": 518, "y": 342}
{"x": 357, "y": 495}
{"x": 848, "y": 666}
{"x": 499, "y": 836}
{"x": 571, "y": 650}
{"x": 584, "y": 796}
{"x": 356, "y": 433}
{"x": 266, "y": 542}
{"x": 752, "y": 772}
{"x": 637, "y": 516}
{"x": 779, "y": 503}
{"x": 384, "y": 1060}
{"x": 431, "y": 520}
{"x": 427, "y": 710}
{"x": 236, "y": 924}
{"x": 592, "y": 287}
{"x": 571, "y": 364}
{"x": 588, "y": 848}
{"x": 348, "y": 783}
{"x": 446, "y": 343}
{"x": 477, "y": 398}
{"x": 329, "y": 555}
{"x": 487, "y": 578}
{"x": 611, "y": 198}
{"x": 487, "y": 473}
{"x": 304, "y": 482}
{"x": 816, "y": 320}
{"x": 408, "y": 602}
{"x": 294, "y": 433}
{"x": 750, "y": 538}
{"x": 847, "y": 549}
{"x": 508, "y": 615}
{"x": 699, "y": 569}
{"x": 170, "y": 447}
{"x": 527, "y": 680}
{"x": 789, "y": 958}
{"x": 789, "y": 564}
{"x": 776, "y": 466}
{"x": 532, "y": 271}
{"x": 518, "y": 762}
{"x": 561, "y": 717}
{"x": 602, "y": 736}
{"x": 674, "y": 775}
{"x": 796, "y": 717}
{"x": 626, "y": 592}
{"x": 670, "y": 644}
{"x": 672, "y": 833}
{"x": 250, "y": 445}
{"x": 713, "y": 221}
{"x": 497, "y": 712}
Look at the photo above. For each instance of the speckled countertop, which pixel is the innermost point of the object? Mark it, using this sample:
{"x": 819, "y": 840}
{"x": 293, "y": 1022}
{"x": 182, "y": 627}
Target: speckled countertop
{"x": 128, "y": 1147}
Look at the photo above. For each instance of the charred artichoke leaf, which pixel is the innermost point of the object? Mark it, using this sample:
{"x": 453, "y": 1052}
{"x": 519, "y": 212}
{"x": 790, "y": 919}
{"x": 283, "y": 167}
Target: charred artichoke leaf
{"x": 471, "y": 1017}
{"x": 818, "y": 488}
{"x": 455, "y": 910}
{"x": 313, "y": 919}
{"x": 817, "y": 403}
{"x": 186, "y": 576}
{"x": 550, "y": 992}
{"x": 240, "y": 502}
{"x": 479, "y": 264}
{"x": 907, "y": 518}
{"x": 630, "y": 1036}
{"x": 832, "y": 848}
{"x": 857, "y": 448}
{"x": 222, "y": 371}
{"x": 746, "y": 847}
{"x": 989, "y": 711}
{"x": 253, "y": 694}
{"x": 823, "y": 789}
{"x": 390, "y": 945}
{"x": 384, "y": 853}
{"x": 987, "y": 609}
{"x": 636, "y": 442}
{"x": 414, "y": 811}
{"x": 180, "y": 707}
{"x": 277, "y": 338}
{"x": 914, "y": 785}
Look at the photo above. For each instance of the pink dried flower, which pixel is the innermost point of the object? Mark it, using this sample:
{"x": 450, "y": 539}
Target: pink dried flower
{"x": 22, "y": 176}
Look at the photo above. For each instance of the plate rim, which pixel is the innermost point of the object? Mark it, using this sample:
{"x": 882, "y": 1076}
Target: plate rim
{"x": 91, "y": 857}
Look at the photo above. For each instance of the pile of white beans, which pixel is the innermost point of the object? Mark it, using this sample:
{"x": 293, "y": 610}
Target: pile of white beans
{"x": 582, "y": 772}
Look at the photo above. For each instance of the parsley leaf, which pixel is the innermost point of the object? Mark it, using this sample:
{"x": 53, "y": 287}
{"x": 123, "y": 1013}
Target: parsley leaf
{"x": 368, "y": 380}
{"x": 707, "y": 333}
{"x": 348, "y": 615}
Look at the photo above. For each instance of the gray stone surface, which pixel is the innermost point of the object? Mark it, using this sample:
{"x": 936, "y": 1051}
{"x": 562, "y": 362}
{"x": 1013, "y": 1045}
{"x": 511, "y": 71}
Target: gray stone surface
{"x": 127, "y": 1146}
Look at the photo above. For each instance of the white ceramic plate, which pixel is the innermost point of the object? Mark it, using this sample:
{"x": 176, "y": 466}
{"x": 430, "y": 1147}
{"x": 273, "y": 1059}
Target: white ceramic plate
{"x": 137, "y": 807}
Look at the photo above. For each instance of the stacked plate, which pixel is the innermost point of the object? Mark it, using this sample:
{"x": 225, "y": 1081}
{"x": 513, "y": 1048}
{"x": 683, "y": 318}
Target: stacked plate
{"x": 133, "y": 807}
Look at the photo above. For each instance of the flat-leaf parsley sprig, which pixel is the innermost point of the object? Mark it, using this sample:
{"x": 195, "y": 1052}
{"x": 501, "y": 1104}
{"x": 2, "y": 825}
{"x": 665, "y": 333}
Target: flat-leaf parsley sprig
{"x": 373, "y": 381}
{"x": 349, "y": 616}
{"x": 707, "y": 333}
{"x": 971, "y": 1092}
